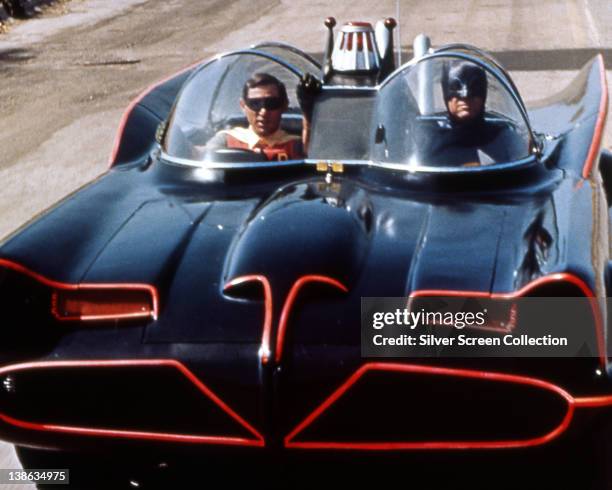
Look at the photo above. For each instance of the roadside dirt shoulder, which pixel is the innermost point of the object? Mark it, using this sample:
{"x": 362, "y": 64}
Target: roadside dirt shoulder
{"x": 61, "y": 100}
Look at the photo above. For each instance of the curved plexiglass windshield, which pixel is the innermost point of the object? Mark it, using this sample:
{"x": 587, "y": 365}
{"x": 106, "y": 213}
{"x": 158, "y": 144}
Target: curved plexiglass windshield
{"x": 240, "y": 107}
{"x": 448, "y": 111}
{"x": 302, "y": 61}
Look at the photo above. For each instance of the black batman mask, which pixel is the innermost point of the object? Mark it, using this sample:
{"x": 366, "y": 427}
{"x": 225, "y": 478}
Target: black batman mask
{"x": 463, "y": 79}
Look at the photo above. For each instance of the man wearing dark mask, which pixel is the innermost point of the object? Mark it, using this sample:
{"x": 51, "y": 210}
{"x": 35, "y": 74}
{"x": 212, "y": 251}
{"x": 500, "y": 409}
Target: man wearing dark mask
{"x": 263, "y": 102}
{"x": 465, "y": 92}
{"x": 464, "y": 137}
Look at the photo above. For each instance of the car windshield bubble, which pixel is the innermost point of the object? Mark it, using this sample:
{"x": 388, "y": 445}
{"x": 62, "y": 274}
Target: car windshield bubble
{"x": 448, "y": 111}
{"x": 213, "y": 121}
{"x": 303, "y": 61}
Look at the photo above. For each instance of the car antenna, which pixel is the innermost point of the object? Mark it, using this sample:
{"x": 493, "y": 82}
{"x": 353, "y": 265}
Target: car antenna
{"x": 399, "y": 34}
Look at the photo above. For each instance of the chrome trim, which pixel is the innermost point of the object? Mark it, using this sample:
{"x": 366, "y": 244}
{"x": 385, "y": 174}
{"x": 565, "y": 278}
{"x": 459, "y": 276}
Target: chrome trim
{"x": 421, "y": 45}
{"x": 227, "y": 165}
{"x": 353, "y": 28}
{"x": 402, "y": 167}
{"x": 425, "y": 89}
{"x": 331, "y": 88}
{"x": 405, "y": 167}
{"x": 496, "y": 167}
{"x": 346, "y": 55}
{"x": 330, "y": 161}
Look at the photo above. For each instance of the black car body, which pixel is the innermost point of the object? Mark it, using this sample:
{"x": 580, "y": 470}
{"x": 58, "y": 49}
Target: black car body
{"x": 216, "y": 303}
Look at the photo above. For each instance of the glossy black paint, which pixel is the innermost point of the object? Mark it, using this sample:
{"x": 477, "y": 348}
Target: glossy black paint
{"x": 377, "y": 231}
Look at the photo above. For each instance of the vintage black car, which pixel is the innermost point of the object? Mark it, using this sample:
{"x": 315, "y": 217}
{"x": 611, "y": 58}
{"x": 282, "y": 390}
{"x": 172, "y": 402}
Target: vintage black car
{"x": 205, "y": 301}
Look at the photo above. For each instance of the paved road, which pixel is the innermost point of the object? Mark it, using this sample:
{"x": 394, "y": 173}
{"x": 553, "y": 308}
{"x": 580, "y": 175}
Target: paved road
{"x": 66, "y": 80}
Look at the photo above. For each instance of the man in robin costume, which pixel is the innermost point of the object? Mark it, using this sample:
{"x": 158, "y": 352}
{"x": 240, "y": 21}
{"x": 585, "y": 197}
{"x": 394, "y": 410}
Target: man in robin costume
{"x": 264, "y": 100}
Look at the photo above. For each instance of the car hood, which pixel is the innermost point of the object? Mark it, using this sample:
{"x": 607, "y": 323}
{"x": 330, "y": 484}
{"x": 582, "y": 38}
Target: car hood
{"x": 375, "y": 243}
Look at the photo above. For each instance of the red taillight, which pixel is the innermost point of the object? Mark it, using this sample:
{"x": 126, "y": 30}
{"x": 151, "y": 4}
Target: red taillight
{"x": 471, "y": 310}
{"x": 103, "y": 303}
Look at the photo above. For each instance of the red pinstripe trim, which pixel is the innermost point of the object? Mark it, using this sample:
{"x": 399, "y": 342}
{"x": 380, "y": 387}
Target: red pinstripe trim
{"x": 572, "y": 404}
{"x": 267, "y": 326}
{"x": 133, "y": 103}
{"x": 8, "y": 264}
{"x": 284, "y": 318}
{"x": 128, "y": 434}
{"x": 593, "y": 401}
{"x": 550, "y": 279}
{"x": 601, "y": 121}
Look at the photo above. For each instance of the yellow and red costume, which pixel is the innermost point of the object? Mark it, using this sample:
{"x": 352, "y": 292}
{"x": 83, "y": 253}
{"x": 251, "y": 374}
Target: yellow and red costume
{"x": 280, "y": 145}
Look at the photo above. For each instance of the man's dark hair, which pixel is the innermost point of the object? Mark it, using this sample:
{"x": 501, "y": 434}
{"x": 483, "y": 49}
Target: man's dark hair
{"x": 262, "y": 79}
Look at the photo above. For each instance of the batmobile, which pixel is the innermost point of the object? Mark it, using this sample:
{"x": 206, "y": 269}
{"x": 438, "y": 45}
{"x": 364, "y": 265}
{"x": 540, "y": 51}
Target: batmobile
{"x": 205, "y": 301}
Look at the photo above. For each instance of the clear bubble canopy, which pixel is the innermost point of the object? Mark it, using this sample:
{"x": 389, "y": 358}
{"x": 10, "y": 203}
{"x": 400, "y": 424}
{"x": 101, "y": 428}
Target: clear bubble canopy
{"x": 209, "y": 102}
{"x": 448, "y": 110}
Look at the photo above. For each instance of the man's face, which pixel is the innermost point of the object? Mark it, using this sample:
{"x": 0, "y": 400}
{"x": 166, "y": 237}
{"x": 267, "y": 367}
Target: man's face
{"x": 263, "y": 109}
{"x": 465, "y": 109}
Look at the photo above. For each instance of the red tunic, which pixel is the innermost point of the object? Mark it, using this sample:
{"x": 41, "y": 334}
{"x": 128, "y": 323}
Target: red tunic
{"x": 282, "y": 146}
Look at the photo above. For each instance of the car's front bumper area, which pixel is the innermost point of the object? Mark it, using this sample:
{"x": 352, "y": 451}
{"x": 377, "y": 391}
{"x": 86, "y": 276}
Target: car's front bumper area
{"x": 376, "y": 407}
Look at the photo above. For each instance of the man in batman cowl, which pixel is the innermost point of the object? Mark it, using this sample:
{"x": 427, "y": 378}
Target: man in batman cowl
{"x": 464, "y": 86}
{"x": 464, "y": 137}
